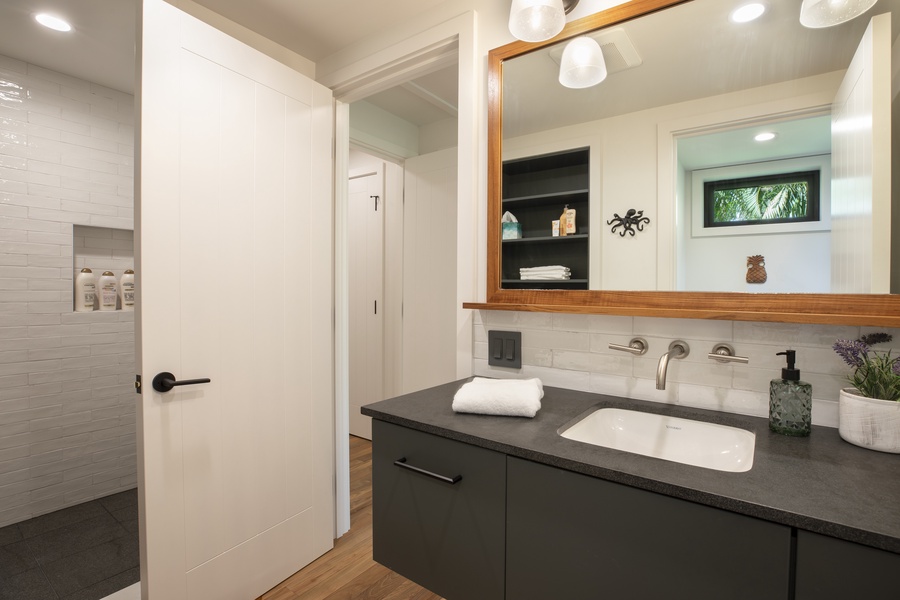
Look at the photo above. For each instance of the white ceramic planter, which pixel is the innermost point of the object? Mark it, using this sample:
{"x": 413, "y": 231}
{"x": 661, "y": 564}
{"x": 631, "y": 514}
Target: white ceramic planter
{"x": 870, "y": 423}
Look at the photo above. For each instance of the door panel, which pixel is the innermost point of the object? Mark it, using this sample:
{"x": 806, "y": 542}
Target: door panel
{"x": 235, "y": 267}
{"x": 367, "y": 306}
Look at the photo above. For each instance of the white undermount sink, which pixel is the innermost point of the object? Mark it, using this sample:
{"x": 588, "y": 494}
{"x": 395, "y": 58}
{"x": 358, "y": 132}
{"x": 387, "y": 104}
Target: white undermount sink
{"x": 708, "y": 445}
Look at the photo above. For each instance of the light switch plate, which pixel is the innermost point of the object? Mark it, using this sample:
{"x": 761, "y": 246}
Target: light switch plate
{"x": 505, "y": 349}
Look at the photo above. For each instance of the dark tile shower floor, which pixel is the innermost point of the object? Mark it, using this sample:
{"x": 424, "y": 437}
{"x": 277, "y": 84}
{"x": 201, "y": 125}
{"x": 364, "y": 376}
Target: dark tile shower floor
{"x": 85, "y": 552}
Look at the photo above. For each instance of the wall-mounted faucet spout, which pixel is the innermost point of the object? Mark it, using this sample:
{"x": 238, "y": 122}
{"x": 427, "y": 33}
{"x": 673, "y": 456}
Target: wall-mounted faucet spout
{"x": 677, "y": 349}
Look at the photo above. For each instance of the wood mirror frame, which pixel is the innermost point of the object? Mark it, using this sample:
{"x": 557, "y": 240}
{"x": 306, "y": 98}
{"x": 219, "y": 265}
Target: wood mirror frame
{"x": 848, "y": 309}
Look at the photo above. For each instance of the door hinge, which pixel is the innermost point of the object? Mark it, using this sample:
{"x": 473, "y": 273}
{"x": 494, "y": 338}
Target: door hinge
{"x": 137, "y": 384}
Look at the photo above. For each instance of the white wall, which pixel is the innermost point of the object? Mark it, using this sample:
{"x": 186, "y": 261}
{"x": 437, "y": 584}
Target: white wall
{"x": 66, "y": 379}
{"x": 861, "y": 183}
{"x": 429, "y": 262}
{"x": 895, "y": 168}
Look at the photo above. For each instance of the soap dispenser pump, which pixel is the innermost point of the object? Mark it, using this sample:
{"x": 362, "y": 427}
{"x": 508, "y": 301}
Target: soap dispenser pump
{"x": 790, "y": 400}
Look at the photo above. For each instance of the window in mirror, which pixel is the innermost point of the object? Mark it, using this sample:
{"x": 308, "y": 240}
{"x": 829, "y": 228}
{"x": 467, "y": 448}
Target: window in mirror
{"x": 767, "y": 199}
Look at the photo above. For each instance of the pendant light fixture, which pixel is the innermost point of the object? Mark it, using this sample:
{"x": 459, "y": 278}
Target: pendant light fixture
{"x": 825, "y": 13}
{"x": 582, "y": 63}
{"x": 538, "y": 20}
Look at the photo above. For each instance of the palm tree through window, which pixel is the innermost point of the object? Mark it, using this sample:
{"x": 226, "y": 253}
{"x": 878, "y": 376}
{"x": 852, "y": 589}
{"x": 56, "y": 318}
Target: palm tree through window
{"x": 781, "y": 198}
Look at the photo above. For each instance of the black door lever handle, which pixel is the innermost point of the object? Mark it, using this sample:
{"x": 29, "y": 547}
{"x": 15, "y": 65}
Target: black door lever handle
{"x": 165, "y": 381}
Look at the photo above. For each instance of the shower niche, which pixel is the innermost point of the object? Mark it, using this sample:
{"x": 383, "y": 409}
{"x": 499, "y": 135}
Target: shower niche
{"x": 102, "y": 249}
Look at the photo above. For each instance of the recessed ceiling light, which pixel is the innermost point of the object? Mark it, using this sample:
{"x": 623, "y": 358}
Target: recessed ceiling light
{"x": 52, "y": 22}
{"x": 748, "y": 12}
{"x": 765, "y": 136}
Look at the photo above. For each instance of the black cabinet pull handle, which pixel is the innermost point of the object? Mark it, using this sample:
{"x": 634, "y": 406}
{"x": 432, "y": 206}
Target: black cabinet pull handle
{"x": 165, "y": 381}
{"x": 401, "y": 462}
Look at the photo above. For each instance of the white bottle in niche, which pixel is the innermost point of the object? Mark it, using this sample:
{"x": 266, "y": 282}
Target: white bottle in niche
{"x": 126, "y": 290}
{"x": 107, "y": 292}
{"x": 85, "y": 290}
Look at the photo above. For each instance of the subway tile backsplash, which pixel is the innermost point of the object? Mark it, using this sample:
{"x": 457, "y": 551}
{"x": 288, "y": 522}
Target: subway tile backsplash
{"x": 66, "y": 379}
{"x": 571, "y": 351}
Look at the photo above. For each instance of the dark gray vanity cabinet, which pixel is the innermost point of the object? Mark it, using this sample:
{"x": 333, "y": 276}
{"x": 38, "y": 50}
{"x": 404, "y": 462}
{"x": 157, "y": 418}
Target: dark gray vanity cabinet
{"x": 447, "y": 537}
{"x": 577, "y": 537}
{"x": 832, "y": 569}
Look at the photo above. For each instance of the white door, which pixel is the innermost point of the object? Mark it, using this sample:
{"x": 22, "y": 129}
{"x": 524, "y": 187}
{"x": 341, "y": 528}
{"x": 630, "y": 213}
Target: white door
{"x": 367, "y": 308}
{"x": 234, "y": 238}
{"x": 861, "y": 168}
{"x": 429, "y": 270}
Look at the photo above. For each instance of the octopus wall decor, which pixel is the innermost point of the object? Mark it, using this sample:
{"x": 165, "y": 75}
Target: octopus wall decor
{"x": 633, "y": 220}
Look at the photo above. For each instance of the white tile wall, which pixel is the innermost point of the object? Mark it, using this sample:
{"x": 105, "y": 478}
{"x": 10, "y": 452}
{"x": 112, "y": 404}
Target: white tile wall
{"x": 66, "y": 393}
{"x": 571, "y": 351}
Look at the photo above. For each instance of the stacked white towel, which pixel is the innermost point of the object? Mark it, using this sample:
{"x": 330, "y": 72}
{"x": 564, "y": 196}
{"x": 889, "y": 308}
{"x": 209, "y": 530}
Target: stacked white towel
{"x": 549, "y": 273}
{"x": 506, "y": 397}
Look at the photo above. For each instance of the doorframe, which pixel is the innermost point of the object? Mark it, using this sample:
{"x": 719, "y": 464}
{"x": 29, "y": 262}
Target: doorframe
{"x": 378, "y": 71}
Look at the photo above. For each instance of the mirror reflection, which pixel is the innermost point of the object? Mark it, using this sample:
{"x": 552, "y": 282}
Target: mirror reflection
{"x": 705, "y": 128}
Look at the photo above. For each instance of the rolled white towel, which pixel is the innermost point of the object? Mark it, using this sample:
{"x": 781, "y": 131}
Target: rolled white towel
{"x": 505, "y": 397}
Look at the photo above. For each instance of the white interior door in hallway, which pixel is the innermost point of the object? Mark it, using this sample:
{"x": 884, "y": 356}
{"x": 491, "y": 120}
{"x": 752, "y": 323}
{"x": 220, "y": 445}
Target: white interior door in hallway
{"x": 234, "y": 239}
{"x": 367, "y": 306}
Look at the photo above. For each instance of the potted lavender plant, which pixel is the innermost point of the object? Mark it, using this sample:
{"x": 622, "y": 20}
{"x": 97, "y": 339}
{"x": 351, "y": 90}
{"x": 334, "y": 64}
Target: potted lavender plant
{"x": 869, "y": 411}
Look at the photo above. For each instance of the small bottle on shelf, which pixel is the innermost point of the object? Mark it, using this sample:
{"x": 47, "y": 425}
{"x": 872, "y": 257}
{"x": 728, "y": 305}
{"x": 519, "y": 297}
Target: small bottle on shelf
{"x": 126, "y": 290}
{"x": 85, "y": 290}
{"x": 107, "y": 293}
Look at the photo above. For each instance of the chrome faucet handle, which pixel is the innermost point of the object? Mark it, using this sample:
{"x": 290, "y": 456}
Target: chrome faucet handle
{"x": 724, "y": 353}
{"x": 637, "y": 346}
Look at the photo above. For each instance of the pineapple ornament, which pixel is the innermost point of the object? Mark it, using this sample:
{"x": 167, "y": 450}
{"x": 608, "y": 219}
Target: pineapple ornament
{"x": 756, "y": 269}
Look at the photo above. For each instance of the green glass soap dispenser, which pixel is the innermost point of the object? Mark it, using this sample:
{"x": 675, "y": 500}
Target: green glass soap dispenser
{"x": 790, "y": 400}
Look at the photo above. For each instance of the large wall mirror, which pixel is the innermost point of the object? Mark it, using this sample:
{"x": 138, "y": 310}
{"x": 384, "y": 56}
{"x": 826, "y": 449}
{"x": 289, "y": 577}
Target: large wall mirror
{"x": 682, "y": 206}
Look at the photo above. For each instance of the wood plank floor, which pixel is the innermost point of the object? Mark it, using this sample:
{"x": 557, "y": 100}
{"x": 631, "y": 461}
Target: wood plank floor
{"x": 348, "y": 571}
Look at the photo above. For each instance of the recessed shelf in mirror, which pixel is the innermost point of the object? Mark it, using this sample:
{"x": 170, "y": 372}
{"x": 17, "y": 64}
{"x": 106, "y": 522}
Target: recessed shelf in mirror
{"x": 537, "y": 190}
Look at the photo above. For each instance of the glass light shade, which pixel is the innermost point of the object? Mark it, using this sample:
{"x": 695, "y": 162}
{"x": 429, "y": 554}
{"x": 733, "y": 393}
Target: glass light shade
{"x": 825, "y": 13}
{"x": 536, "y": 20}
{"x": 582, "y": 64}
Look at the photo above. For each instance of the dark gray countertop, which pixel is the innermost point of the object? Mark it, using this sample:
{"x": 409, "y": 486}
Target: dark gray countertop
{"x": 818, "y": 483}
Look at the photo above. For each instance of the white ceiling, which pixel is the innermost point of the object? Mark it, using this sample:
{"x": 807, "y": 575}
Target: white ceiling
{"x": 99, "y": 49}
{"x": 318, "y": 28}
{"x": 799, "y": 137}
{"x": 101, "y": 46}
